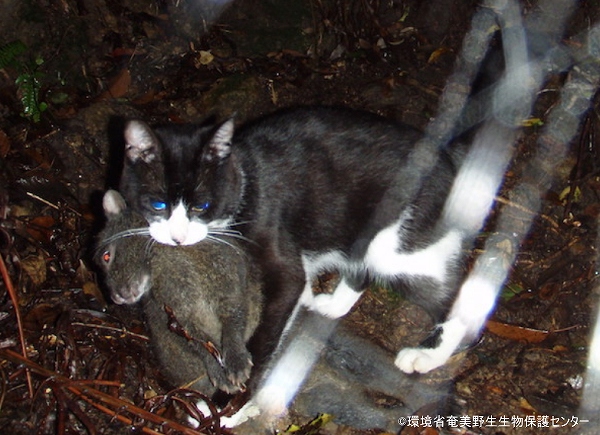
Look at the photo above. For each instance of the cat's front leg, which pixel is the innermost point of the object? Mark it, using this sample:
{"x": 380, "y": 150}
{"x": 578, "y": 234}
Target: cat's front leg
{"x": 284, "y": 281}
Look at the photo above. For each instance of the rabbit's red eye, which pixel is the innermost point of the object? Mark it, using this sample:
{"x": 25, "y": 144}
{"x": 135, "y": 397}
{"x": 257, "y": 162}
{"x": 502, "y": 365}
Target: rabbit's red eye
{"x": 106, "y": 256}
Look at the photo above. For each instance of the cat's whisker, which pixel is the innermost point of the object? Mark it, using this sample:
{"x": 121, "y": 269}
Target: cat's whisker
{"x": 224, "y": 242}
{"x": 148, "y": 248}
{"x": 232, "y": 234}
{"x": 225, "y": 232}
{"x": 223, "y": 229}
{"x": 234, "y": 224}
{"x": 143, "y": 231}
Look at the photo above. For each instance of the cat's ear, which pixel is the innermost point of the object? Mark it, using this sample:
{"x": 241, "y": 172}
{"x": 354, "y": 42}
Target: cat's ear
{"x": 219, "y": 146}
{"x": 113, "y": 203}
{"x": 140, "y": 142}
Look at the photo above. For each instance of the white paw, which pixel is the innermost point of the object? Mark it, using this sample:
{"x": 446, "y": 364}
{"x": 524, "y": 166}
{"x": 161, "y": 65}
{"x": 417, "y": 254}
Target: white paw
{"x": 248, "y": 411}
{"x": 328, "y": 306}
{"x": 419, "y": 360}
{"x": 203, "y": 408}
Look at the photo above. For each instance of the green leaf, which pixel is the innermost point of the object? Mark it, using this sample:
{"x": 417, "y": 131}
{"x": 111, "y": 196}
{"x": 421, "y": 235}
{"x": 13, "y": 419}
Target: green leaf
{"x": 510, "y": 290}
{"x": 29, "y": 88}
{"x": 9, "y": 53}
{"x": 59, "y": 97}
{"x": 576, "y": 196}
{"x": 29, "y": 79}
{"x": 310, "y": 428}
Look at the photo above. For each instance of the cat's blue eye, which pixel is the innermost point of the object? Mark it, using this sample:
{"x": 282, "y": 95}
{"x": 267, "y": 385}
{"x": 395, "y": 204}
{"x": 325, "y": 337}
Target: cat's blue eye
{"x": 202, "y": 207}
{"x": 158, "y": 205}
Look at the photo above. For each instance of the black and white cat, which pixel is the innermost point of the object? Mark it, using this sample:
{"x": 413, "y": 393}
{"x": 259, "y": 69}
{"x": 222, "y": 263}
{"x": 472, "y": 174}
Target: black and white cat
{"x": 314, "y": 189}
{"x": 214, "y": 293}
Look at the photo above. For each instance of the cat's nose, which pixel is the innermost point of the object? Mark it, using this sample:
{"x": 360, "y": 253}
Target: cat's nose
{"x": 179, "y": 231}
{"x": 179, "y": 225}
{"x": 178, "y": 237}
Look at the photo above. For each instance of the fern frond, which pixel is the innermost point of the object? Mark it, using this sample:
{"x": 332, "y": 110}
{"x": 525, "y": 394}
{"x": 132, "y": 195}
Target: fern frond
{"x": 9, "y": 53}
{"x": 29, "y": 88}
{"x": 28, "y": 80}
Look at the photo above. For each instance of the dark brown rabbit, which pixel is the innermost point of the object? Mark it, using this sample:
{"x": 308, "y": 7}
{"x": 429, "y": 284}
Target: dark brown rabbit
{"x": 211, "y": 289}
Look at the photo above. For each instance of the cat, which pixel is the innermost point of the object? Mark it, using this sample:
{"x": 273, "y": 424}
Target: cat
{"x": 209, "y": 305}
{"x": 313, "y": 189}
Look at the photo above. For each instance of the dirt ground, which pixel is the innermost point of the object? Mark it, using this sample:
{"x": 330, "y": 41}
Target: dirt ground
{"x": 71, "y": 71}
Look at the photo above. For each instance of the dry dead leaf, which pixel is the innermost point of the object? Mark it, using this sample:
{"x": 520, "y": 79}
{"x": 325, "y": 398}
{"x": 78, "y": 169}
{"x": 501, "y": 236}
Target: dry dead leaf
{"x": 496, "y": 390}
{"x": 127, "y": 51}
{"x": 41, "y": 316}
{"x": 517, "y": 333}
{"x": 118, "y": 86}
{"x": 525, "y": 405}
{"x": 437, "y": 53}
{"x": 4, "y": 144}
{"x": 205, "y": 57}
{"x": 92, "y": 290}
{"x": 148, "y": 97}
{"x": 40, "y": 228}
{"x": 34, "y": 267}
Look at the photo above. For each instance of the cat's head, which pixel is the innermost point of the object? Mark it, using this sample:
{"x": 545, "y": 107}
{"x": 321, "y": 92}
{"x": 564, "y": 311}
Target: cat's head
{"x": 181, "y": 178}
{"x": 123, "y": 251}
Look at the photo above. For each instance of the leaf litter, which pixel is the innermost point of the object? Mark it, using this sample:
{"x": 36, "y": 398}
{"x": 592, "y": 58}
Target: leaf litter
{"x": 73, "y": 363}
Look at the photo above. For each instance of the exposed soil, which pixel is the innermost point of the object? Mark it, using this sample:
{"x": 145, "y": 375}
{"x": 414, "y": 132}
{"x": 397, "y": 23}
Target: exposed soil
{"x": 97, "y": 62}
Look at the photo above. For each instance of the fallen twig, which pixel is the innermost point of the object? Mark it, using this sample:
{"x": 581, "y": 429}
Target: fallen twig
{"x": 110, "y": 405}
{"x": 522, "y": 208}
{"x": 112, "y": 329}
{"x": 15, "y": 301}
{"x": 42, "y": 200}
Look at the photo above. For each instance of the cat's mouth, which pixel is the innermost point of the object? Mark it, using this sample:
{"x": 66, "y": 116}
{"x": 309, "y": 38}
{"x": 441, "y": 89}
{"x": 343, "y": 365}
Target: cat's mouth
{"x": 183, "y": 231}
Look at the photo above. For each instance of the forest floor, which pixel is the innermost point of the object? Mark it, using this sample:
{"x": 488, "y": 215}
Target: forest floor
{"x": 72, "y": 71}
